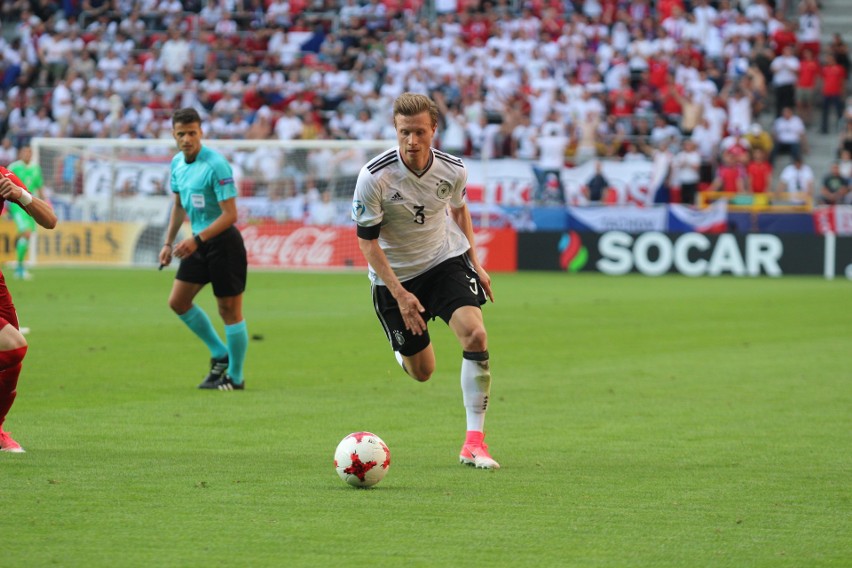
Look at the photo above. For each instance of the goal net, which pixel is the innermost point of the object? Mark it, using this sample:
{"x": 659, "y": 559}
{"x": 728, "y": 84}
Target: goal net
{"x": 113, "y": 200}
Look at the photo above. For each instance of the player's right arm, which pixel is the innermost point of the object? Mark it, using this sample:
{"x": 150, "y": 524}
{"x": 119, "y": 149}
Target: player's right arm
{"x": 368, "y": 213}
{"x": 176, "y": 218}
{"x": 409, "y": 306}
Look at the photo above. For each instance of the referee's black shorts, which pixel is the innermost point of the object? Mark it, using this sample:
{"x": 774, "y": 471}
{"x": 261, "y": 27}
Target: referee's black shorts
{"x": 220, "y": 261}
{"x": 442, "y": 290}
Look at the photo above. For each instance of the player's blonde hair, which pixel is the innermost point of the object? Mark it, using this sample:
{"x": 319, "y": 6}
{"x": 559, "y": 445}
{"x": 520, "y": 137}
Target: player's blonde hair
{"x": 412, "y": 104}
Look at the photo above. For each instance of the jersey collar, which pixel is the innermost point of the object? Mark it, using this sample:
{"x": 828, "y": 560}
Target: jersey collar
{"x": 426, "y": 169}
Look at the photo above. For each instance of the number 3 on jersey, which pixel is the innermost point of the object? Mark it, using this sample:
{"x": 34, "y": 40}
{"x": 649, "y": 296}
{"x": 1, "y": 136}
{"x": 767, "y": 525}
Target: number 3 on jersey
{"x": 419, "y": 216}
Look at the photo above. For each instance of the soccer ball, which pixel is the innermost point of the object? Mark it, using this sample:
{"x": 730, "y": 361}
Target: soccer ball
{"x": 362, "y": 459}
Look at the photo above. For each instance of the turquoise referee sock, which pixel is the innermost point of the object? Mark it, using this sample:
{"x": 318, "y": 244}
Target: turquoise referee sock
{"x": 236, "y": 335}
{"x": 197, "y": 321}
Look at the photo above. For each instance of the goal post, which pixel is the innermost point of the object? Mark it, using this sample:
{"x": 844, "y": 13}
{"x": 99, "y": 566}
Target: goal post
{"x": 113, "y": 199}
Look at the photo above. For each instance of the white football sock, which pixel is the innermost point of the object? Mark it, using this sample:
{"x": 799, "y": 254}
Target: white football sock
{"x": 476, "y": 387}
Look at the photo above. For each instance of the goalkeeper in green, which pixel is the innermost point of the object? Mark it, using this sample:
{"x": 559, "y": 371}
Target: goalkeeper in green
{"x": 29, "y": 173}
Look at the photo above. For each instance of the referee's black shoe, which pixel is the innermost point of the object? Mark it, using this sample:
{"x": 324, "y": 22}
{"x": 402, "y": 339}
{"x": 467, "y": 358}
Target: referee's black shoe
{"x": 217, "y": 371}
{"x": 225, "y": 383}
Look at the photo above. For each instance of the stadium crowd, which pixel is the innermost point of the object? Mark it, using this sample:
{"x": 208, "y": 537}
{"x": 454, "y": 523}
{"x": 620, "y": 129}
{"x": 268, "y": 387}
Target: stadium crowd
{"x": 711, "y": 91}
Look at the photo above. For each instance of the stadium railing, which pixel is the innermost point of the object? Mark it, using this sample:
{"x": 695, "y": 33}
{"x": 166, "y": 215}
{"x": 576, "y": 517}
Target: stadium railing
{"x": 775, "y": 202}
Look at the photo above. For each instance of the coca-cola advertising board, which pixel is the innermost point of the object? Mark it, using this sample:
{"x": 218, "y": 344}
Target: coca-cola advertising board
{"x": 299, "y": 246}
{"x": 294, "y": 245}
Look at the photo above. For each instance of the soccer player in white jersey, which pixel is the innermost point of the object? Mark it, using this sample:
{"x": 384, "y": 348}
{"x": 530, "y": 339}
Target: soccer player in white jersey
{"x": 415, "y": 231}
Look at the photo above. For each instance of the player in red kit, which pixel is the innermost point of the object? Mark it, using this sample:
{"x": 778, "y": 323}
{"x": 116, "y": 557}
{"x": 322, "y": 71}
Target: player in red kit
{"x": 13, "y": 346}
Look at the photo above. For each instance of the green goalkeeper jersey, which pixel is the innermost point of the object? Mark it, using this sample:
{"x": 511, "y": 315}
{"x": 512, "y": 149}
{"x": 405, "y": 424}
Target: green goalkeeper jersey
{"x": 30, "y": 174}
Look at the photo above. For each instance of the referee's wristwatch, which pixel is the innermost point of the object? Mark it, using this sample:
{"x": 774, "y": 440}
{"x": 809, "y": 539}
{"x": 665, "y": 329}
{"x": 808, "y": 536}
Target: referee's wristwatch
{"x": 198, "y": 240}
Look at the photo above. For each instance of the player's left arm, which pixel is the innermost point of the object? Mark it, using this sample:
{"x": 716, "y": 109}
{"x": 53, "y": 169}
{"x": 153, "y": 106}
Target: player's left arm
{"x": 37, "y": 208}
{"x": 225, "y": 220}
{"x": 225, "y": 190}
{"x": 461, "y": 216}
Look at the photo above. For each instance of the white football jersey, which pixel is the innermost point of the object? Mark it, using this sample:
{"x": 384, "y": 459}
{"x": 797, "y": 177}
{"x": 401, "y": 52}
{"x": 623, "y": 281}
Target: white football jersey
{"x": 417, "y": 231}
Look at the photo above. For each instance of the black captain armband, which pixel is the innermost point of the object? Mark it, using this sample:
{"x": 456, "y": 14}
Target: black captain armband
{"x": 369, "y": 233}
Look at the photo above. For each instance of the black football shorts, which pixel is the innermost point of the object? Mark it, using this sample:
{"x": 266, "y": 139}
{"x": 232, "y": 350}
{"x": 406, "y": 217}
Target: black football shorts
{"x": 442, "y": 290}
{"x": 221, "y": 261}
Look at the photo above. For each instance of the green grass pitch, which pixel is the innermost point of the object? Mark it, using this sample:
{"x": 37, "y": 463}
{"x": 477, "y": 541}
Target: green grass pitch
{"x": 639, "y": 422}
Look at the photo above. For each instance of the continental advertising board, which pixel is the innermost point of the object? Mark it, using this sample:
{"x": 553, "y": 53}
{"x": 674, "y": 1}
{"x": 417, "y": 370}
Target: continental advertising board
{"x": 78, "y": 243}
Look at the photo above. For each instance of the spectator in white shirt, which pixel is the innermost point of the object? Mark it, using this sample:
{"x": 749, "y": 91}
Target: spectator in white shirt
{"x": 788, "y": 131}
{"x": 110, "y": 64}
{"x": 364, "y": 128}
{"x": 55, "y": 51}
{"x": 322, "y": 211}
{"x": 124, "y": 85}
{"x": 663, "y": 132}
{"x": 210, "y": 13}
{"x": 210, "y": 88}
{"x": 227, "y": 106}
{"x": 234, "y": 85}
{"x": 289, "y": 126}
{"x": 226, "y": 26}
{"x": 8, "y": 152}
{"x": 785, "y": 72}
{"x": 170, "y": 11}
{"x": 99, "y": 82}
{"x": 809, "y": 34}
{"x": 175, "y": 53}
{"x": 739, "y": 111}
{"x": 138, "y": 116}
{"x": 707, "y": 142}
{"x": 524, "y": 139}
{"x": 363, "y": 85}
{"x": 278, "y": 12}
{"x": 796, "y": 183}
{"x": 551, "y": 159}
{"x": 62, "y": 101}
{"x": 133, "y": 27}
{"x": 38, "y": 124}
{"x": 686, "y": 166}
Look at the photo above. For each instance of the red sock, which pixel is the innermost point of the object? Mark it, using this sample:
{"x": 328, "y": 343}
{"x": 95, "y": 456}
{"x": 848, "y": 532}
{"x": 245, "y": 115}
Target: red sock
{"x": 8, "y": 383}
{"x": 12, "y": 357}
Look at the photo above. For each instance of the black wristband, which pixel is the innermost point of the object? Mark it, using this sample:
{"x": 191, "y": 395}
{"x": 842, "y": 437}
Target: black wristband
{"x": 198, "y": 240}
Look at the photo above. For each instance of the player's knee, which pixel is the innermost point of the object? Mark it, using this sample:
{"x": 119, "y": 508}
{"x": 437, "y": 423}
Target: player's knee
{"x": 228, "y": 314}
{"x": 421, "y": 373}
{"x": 11, "y": 338}
{"x": 230, "y": 311}
{"x": 476, "y": 339}
{"x": 16, "y": 342}
{"x": 179, "y": 307}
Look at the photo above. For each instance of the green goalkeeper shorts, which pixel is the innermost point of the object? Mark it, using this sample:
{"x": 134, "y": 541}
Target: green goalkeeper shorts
{"x": 22, "y": 219}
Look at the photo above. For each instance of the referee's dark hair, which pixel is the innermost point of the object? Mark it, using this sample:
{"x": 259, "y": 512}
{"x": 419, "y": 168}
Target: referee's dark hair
{"x": 186, "y": 116}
